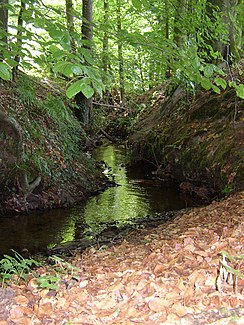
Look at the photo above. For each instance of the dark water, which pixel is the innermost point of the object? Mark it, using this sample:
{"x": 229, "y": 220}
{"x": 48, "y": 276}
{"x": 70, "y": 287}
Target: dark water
{"x": 137, "y": 196}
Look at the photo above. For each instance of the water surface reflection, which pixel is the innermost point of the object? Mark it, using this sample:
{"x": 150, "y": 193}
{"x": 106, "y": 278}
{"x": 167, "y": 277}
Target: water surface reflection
{"x": 136, "y": 196}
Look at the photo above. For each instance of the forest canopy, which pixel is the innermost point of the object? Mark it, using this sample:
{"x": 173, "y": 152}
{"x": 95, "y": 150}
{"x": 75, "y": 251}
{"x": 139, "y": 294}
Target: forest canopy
{"x": 95, "y": 46}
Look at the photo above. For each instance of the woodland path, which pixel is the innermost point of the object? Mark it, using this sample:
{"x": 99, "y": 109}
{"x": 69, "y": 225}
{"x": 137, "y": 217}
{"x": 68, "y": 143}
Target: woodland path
{"x": 164, "y": 275}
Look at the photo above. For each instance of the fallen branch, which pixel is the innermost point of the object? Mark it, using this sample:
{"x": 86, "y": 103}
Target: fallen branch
{"x": 107, "y": 105}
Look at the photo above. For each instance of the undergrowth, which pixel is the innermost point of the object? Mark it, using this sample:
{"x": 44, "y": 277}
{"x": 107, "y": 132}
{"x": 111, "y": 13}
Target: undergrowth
{"x": 53, "y": 137}
{"x": 16, "y": 268}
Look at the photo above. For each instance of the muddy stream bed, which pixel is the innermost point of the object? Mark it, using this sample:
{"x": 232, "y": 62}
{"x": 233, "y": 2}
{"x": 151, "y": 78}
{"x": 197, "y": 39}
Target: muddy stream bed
{"x": 138, "y": 200}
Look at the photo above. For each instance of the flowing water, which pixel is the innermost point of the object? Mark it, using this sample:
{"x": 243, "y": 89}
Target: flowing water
{"x": 136, "y": 196}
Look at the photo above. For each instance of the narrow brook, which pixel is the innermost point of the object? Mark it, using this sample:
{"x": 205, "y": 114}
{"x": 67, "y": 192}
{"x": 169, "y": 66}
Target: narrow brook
{"x": 136, "y": 197}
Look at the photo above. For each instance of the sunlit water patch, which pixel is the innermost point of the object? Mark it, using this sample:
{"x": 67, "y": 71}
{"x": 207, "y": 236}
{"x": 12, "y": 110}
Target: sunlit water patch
{"x": 136, "y": 196}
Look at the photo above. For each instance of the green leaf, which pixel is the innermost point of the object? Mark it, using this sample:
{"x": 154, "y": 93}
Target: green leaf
{"x": 220, "y": 82}
{"x": 57, "y": 34}
{"x": 98, "y": 86}
{"x": 11, "y": 62}
{"x": 232, "y": 84}
{"x": 87, "y": 55}
{"x": 87, "y": 90}
{"x": 137, "y": 4}
{"x": 216, "y": 89}
{"x": 74, "y": 89}
{"x": 65, "y": 68}
{"x": 5, "y": 71}
{"x": 208, "y": 71}
{"x": 80, "y": 86}
{"x": 240, "y": 91}
{"x": 206, "y": 83}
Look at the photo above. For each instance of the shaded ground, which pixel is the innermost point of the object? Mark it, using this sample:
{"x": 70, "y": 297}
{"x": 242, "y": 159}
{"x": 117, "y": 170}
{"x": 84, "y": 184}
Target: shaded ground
{"x": 165, "y": 275}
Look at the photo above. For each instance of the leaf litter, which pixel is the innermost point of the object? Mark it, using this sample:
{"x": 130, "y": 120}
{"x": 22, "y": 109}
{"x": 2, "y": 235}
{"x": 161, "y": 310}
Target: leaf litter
{"x": 164, "y": 275}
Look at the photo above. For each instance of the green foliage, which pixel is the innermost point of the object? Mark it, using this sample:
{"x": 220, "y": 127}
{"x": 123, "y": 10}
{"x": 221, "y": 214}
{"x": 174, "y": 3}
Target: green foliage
{"x": 14, "y": 268}
{"x": 156, "y": 39}
{"x": 83, "y": 86}
{"x": 240, "y": 91}
{"x": 5, "y": 71}
{"x": 48, "y": 281}
{"x": 53, "y": 137}
{"x": 59, "y": 267}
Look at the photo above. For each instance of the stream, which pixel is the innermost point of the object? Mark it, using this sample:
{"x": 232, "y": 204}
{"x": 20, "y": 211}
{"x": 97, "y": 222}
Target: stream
{"x": 137, "y": 200}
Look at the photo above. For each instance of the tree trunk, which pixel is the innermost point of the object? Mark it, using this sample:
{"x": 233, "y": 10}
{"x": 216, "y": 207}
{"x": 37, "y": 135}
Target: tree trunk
{"x": 19, "y": 36}
{"x": 105, "y": 56}
{"x": 70, "y": 23}
{"x": 227, "y": 9}
{"x": 4, "y": 24}
{"x": 179, "y": 35}
{"x": 166, "y": 5}
{"x": 87, "y": 30}
{"x": 85, "y": 104}
{"x": 233, "y": 32}
{"x": 120, "y": 54}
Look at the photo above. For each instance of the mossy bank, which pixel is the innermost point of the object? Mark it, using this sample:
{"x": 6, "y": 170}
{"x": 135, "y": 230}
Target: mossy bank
{"x": 195, "y": 140}
{"x": 42, "y": 143}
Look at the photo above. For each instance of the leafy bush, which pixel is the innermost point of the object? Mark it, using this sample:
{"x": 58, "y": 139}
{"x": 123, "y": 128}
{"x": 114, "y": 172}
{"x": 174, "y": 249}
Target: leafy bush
{"x": 15, "y": 267}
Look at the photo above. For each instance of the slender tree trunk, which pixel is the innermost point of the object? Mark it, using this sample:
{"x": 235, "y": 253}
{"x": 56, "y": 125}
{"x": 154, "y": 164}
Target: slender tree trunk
{"x": 87, "y": 30}
{"x": 19, "y": 36}
{"x": 233, "y": 33}
{"x": 227, "y": 9}
{"x": 120, "y": 54}
{"x": 179, "y": 34}
{"x": 166, "y": 5}
{"x": 70, "y": 23}
{"x": 85, "y": 104}
{"x": 4, "y": 23}
{"x": 105, "y": 56}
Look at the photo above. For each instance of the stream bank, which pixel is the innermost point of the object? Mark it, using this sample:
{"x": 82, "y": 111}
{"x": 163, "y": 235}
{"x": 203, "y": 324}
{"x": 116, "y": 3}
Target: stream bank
{"x": 194, "y": 140}
{"x": 43, "y": 144}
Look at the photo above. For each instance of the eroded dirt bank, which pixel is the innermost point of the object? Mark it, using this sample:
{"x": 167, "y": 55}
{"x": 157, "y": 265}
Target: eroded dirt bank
{"x": 165, "y": 275}
{"x": 197, "y": 141}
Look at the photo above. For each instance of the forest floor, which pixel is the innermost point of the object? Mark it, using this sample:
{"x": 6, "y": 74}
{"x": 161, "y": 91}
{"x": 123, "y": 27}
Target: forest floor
{"x": 164, "y": 275}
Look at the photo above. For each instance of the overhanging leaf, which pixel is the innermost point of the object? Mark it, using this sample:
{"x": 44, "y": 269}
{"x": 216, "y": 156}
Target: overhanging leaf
{"x": 240, "y": 91}
{"x": 220, "y": 82}
{"x": 216, "y": 89}
{"x": 206, "y": 83}
{"x": 208, "y": 71}
{"x": 80, "y": 86}
{"x": 137, "y": 4}
{"x": 5, "y": 71}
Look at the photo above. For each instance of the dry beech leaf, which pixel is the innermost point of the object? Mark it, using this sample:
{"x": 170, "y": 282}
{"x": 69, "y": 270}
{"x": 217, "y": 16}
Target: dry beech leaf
{"x": 21, "y": 300}
{"x": 44, "y": 309}
{"x": 107, "y": 303}
{"x": 159, "y": 268}
{"x": 179, "y": 310}
{"x": 158, "y": 304}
